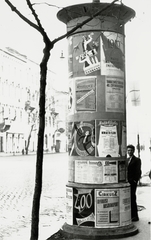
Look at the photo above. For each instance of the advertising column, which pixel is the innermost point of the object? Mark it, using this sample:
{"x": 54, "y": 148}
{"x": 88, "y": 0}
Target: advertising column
{"x": 97, "y": 192}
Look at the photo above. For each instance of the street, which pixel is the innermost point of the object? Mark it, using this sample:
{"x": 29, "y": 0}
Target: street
{"x": 17, "y": 177}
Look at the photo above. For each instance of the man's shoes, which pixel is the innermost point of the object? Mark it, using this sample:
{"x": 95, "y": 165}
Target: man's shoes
{"x": 135, "y": 219}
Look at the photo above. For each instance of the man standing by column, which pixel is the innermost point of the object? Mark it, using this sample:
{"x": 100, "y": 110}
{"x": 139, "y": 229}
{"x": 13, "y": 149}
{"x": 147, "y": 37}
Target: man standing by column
{"x": 134, "y": 174}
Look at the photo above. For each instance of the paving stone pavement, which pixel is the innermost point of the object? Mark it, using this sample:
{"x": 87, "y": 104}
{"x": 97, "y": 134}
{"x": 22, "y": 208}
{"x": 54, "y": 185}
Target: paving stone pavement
{"x": 17, "y": 176}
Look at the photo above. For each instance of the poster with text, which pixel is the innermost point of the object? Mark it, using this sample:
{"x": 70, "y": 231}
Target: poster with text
{"x": 83, "y": 207}
{"x": 71, "y": 97}
{"x": 114, "y": 94}
{"x": 69, "y": 205}
{"x": 86, "y": 94}
{"x": 88, "y": 171}
{"x": 70, "y": 137}
{"x": 125, "y": 206}
{"x": 110, "y": 171}
{"x": 71, "y": 169}
{"x": 107, "y": 139}
{"x": 124, "y": 141}
{"x": 112, "y": 54}
{"x": 121, "y": 171}
{"x": 70, "y": 56}
{"x": 107, "y": 208}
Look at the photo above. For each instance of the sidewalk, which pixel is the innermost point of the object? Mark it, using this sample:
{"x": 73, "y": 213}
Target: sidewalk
{"x": 144, "y": 211}
{"x": 2, "y": 154}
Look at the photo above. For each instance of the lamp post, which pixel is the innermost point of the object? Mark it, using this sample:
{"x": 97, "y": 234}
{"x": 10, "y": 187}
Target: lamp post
{"x": 97, "y": 192}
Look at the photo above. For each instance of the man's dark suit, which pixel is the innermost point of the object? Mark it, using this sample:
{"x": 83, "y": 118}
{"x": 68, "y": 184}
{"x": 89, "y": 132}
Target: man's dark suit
{"x": 134, "y": 174}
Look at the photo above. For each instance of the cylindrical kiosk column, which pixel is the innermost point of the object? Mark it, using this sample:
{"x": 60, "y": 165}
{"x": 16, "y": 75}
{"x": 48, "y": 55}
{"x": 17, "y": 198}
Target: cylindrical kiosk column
{"x": 97, "y": 192}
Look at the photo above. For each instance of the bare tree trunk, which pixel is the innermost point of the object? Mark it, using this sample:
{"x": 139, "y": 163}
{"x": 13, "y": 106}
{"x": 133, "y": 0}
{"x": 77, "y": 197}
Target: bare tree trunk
{"x": 28, "y": 141}
{"x": 39, "y": 162}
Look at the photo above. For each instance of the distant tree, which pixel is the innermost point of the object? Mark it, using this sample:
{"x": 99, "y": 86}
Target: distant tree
{"x": 48, "y": 46}
{"x": 33, "y": 117}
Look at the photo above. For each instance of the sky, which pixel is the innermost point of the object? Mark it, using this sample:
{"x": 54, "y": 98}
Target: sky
{"x": 17, "y": 34}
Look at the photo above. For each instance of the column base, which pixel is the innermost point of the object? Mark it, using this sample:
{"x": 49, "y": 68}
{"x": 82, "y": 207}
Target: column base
{"x": 76, "y": 232}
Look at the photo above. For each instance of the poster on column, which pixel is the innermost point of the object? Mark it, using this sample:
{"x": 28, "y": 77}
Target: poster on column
{"x": 107, "y": 208}
{"x": 107, "y": 138}
{"x": 86, "y": 94}
{"x": 123, "y": 147}
{"x": 71, "y": 97}
{"x": 86, "y": 54}
{"x": 112, "y": 54}
{"x": 70, "y": 56}
{"x": 122, "y": 171}
{"x": 69, "y": 205}
{"x": 82, "y": 138}
{"x": 83, "y": 207}
{"x": 125, "y": 206}
{"x": 88, "y": 171}
{"x": 71, "y": 169}
{"x": 70, "y": 137}
{"x": 114, "y": 91}
{"x": 110, "y": 171}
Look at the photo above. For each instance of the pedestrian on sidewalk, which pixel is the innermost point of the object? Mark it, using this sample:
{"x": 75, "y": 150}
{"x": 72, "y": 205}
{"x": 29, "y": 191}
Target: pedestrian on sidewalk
{"x": 134, "y": 174}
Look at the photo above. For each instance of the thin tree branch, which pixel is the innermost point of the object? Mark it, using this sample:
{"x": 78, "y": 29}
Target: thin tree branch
{"x": 41, "y": 29}
{"x": 36, "y": 18}
{"x": 14, "y": 9}
{"x": 50, "y": 5}
{"x": 83, "y": 23}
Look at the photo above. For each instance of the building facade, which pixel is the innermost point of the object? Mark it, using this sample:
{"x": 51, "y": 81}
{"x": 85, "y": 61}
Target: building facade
{"x": 19, "y": 104}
